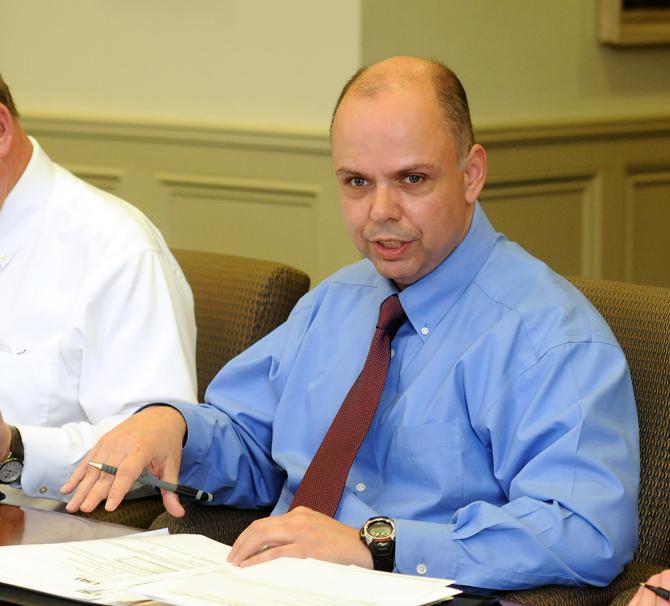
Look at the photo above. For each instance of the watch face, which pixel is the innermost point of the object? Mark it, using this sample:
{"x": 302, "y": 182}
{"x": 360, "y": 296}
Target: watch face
{"x": 10, "y": 471}
{"x": 380, "y": 530}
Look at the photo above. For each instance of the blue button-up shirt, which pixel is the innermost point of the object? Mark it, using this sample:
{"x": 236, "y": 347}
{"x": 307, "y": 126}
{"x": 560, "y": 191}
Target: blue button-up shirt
{"x": 505, "y": 444}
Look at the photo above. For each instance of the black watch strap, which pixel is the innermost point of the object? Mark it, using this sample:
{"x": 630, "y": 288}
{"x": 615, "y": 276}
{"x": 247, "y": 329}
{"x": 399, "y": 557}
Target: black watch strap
{"x": 383, "y": 556}
{"x": 16, "y": 443}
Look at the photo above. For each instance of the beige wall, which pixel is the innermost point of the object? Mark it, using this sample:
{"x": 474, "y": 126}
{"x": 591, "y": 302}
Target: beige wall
{"x": 259, "y": 63}
{"x": 212, "y": 117}
{"x": 264, "y": 63}
{"x": 524, "y": 60}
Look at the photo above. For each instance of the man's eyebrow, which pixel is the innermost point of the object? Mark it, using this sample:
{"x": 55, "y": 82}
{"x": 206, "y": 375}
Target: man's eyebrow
{"x": 413, "y": 168}
{"x": 410, "y": 168}
{"x": 347, "y": 171}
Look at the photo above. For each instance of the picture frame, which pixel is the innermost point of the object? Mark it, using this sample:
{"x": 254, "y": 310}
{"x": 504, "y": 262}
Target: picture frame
{"x": 634, "y": 22}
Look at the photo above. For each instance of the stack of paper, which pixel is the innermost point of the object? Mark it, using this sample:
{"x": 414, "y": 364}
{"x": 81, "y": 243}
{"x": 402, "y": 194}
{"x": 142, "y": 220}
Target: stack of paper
{"x": 295, "y": 582}
{"x": 192, "y": 570}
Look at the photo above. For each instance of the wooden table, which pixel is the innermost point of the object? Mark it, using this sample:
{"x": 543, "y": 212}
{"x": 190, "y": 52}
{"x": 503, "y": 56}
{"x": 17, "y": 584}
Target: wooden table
{"x": 24, "y": 525}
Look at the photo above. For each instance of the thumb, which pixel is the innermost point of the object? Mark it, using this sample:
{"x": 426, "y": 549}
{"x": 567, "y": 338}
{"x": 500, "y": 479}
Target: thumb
{"x": 172, "y": 504}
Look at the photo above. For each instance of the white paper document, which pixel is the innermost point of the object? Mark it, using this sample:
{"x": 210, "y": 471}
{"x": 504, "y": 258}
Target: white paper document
{"x": 295, "y": 582}
{"x": 102, "y": 571}
{"x": 192, "y": 570}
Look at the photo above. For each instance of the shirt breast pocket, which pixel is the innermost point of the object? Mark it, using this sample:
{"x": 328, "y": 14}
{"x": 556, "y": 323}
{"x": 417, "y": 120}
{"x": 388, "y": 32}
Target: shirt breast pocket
{"x": 27, "y": 379}
{"x": 428, "y": 458}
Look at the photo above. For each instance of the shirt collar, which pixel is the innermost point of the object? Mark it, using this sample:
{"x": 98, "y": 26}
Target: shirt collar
{"x": 428, "y": 300}
{"x": 24, "y": 204}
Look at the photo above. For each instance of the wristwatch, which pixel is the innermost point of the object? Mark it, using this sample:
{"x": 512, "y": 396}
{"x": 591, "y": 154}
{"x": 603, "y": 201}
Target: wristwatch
{"x": 12, "y": 467}
{"x": 378, "y": 534}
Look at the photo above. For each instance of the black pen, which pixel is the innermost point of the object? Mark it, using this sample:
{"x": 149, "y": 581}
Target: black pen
{"x": 149, "y": 480}
{"x": 659, "y": 591}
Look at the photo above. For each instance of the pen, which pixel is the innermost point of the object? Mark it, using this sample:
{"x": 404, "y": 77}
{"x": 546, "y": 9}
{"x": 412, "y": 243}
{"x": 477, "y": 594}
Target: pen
{"x": 659, "y": 591}
{"x": 149, "y": 480}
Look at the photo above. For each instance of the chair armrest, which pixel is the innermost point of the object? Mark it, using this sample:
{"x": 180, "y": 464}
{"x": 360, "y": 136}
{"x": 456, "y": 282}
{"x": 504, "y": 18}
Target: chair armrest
{"x": 556, "y": 595}
{"x": 139, "y": 513}
{"x": 218, "y": 522}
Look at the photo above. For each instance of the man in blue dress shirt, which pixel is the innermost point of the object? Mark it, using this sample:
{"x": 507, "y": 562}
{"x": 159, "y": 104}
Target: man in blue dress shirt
{"x": 505, "y": 444}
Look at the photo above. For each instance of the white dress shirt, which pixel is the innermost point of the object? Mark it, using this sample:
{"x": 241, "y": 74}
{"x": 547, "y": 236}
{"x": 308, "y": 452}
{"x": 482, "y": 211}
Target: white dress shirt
{"x": 96, "y": 319}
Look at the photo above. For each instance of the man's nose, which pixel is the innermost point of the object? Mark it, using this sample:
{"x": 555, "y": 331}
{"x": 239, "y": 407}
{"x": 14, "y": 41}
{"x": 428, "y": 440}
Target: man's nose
{"x": 385, "y": 205}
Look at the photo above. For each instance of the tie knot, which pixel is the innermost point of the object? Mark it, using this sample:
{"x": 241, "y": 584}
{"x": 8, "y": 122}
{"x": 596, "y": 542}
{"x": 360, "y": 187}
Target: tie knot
{"x": 391, "y": 315}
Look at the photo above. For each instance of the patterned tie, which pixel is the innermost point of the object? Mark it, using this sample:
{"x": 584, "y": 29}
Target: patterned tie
{"x": 322, "y": 486}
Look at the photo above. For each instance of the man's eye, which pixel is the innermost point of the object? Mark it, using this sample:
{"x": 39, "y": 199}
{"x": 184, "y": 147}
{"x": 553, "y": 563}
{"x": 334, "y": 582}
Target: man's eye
{"x": 413, "y": 179}
{"x": 358, "y": 181}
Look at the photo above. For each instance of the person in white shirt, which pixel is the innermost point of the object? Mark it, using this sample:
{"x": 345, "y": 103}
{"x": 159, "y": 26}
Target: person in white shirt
{"x": 96, "y": 316}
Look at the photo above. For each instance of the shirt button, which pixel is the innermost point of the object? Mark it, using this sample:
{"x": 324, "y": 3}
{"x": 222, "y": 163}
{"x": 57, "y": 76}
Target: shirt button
{"x": 43, "y": 489}
{"x": 392, "y": 352}
{"x": 425, "y": 330}
{"x": 360, "y": 487}
{"x": 422, "y": 568}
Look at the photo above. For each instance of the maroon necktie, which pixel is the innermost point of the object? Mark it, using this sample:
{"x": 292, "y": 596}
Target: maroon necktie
{"x": 322, "y": 485}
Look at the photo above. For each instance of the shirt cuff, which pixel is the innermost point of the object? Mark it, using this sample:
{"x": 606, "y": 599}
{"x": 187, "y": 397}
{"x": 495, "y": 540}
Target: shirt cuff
{"x": 425, "y": 549}
{"x": 47, "y": 461}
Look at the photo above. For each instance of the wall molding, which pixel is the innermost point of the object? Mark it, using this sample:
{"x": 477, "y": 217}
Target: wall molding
{"x": 317, "y": 142}
{"x": 638, "y": 178}
{"x": 104, "y": 177}
{"x": 249, "y": 190}
{"x": 565, "y": 131}
{"x": 202, "y": 135}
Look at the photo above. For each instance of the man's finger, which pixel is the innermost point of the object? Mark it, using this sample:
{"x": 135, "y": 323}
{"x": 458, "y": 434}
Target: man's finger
{"x": 77, "y": 476}
{"x": 292, "y": 550}
{"x": 83, "y": 490}
{"x": 172, "y": 503}
{"x": 267, "y": 531}
{"x": 127, "y": 471}
{"x": 168, "y": 471}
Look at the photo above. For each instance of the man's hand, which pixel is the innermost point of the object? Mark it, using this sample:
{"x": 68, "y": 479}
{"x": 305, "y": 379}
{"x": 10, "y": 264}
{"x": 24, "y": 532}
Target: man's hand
{"x": 5, "y": 438}
{"x": 150, "y": 439}
{"x": 300, "y": 533}
{"x": 644, "y": 597}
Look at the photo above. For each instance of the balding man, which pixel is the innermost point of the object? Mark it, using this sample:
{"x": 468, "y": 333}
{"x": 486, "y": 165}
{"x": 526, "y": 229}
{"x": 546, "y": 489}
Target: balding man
{"x": 488, "y": 435}
{"x": 96, "y": 317}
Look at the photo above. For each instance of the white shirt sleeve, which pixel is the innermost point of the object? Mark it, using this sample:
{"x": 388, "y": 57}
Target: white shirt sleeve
{"x": 132, "y": 342}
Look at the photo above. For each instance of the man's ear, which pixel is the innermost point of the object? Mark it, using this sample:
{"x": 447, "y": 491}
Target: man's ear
{"x": 7, "y": 126}
{"x": 475, "y": 173}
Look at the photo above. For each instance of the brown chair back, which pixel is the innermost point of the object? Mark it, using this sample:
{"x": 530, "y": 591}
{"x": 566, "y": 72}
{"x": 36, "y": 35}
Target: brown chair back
{"x": 237, "y": 301}
{"x": 639, "y": 316}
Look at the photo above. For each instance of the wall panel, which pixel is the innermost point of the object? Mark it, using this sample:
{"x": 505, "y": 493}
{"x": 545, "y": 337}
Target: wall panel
{"x": 270, "y": 220}
{"x": 648, "y": 222}
{"x": 588, "y": 198}
{"x": 554, "y": 219}
{"x": 105, "y": 178}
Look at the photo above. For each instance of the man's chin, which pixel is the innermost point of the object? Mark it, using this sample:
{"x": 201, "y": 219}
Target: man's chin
{"x": 394, "y": 271}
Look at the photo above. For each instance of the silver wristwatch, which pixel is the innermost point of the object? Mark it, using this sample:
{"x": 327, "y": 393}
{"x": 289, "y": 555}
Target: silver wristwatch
{"x": 12, "y": 467}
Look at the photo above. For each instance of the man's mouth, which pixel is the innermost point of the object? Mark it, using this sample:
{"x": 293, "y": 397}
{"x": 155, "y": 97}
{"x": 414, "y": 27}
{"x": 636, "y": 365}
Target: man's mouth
{"x": 390, "y": 250}
{"x": 390, "y": 243}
